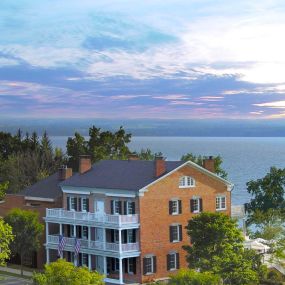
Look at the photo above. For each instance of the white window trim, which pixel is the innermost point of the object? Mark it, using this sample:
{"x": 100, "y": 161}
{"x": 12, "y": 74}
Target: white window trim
{"x": 186, "y": 185}
{"x": 220, "y": 203}
{"x": 83, "y": 198}
{"x": 151, "y": 258}
{"x": 70, "y": 203}
{"x": 129, "y": 203}
{"x": 82, "y": 231}
{"x": 129, "y": 234}
{"x": 175, "y": 261}
{"x": 82, "y": 259}
{"x": 199, "y": 206}
{"x": 177, "y": 207}
{"x": 178, "y": 233}
{"x": 114, "y": 207}
{"x": 129, "y": 270}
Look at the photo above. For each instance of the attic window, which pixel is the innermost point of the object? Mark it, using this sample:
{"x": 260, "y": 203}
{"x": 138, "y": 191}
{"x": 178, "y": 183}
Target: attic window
{"x": 186, "y": 181}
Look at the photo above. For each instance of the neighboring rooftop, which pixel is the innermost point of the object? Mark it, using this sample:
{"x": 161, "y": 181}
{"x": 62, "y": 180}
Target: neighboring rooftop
{"x": 119, "y": 174}
{"x": 45, "y": 188}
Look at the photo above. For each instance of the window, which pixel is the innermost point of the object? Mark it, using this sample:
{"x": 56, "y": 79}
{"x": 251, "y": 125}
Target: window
{"x": 186, "y": 181}
{"x": 72, "y": 203}
{"x": 116, "y": 236}
{"x": 196, "y": 205}
{"x": 149, "y": 265}
{"x": 72, "y": 231}
{"x": 84, "y": 204}
{"x": 117, "y": 264}
{"x": 131, "y": 236}
{"x": 221, "y": 203}
{"x": 116, "y": 207}
{"x": 131, "y": 265}
{"x": 84, "y": 259}
{"x": 175, "y": 233}
{"x": 172, "y": 261}
{"x": 130, "y": 208}
{"x": 175, "y": 207}
{"x": 84, "y": 232}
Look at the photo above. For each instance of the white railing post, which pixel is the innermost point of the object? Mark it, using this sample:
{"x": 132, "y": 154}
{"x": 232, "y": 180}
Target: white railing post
{"x": 89, "y": 236}
{"x": 120, "y": 241}
{"x": 104, "y": 238}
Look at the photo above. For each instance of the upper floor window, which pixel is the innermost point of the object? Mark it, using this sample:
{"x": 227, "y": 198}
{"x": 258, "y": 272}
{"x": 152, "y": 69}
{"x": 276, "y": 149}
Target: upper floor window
{"x": 130, "y": 207}
{"x": 84, "y": 204}
{"x": 221, "y": 203}
{"x": 186, "y": 181}
{"x": 175, "y": 207}
{"x": 175, "y": 233}
{"x": 73, "y": 204}
{"x": 196, "y": 205}
{"x": 116, "y": 207}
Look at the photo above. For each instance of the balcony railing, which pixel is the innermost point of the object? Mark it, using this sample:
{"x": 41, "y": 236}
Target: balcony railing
{"x": 92, "y": 217}
{"x": 99, "y": 245}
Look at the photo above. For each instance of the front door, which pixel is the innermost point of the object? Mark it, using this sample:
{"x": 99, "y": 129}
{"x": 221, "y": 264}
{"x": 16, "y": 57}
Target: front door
{"x": 99, "y": 206}
{"x": 100, "y": 264}
{"x": 98, "y": 234}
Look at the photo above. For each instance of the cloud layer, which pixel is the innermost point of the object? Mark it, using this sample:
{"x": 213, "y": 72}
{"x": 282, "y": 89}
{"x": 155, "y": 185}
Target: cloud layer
{"x": 156, "y": 59}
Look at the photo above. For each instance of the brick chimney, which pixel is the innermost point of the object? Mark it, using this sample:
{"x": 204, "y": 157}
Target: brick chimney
{"x": 64, "y": 172}
{"x": 209, "y": 164}
{"x": 133, "y": 156}
{"x": 84, "y": 163}
{"x": 160, "y": 166}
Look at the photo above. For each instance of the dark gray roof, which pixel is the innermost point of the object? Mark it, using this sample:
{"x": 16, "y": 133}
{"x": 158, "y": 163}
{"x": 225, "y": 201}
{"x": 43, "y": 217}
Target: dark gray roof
{"x": 119, "y": 174}
{"x": 46, "y": 188}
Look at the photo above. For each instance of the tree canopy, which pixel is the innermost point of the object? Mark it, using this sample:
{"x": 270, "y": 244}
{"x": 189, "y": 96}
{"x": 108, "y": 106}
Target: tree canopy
{"x": 6, "y": 237}
{"x": 100, "y": 145}
{"x": 198, "y": 159}
{"x": 267, "y": 193}
{"x": 27, "y": 231}
{"x": 217, "y": 247}
{"x": 62, "y": 272}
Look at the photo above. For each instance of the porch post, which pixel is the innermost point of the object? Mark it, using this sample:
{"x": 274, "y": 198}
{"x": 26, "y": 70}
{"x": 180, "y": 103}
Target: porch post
{"x": 60, "y": 229}
{"x": 121, "y": 270}
{"x": 47, "y": 232}
{"x": 120, "y": 240}
{"x": 89, "y": 262}
{"x": 105, "y": 265}
{"x": 89, "y": 236}
{"x": 47, "y": 252}
{"x": 104, "y": 238}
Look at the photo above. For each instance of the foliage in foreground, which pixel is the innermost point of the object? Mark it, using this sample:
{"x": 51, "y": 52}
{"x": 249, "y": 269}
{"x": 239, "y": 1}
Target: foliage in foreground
{"x": 27, "y": 231}
{"x": 62, "y": 272}
{"x": 6, "y": 237}
{"x": 3, "y": 189}
{"x": 192, "y": 277}
{"x": 217, "y": 247}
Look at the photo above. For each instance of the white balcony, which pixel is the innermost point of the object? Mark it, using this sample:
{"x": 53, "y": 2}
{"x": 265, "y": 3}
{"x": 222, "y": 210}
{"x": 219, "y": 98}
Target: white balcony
{"x": 91, "y": 218}
{"x": 95, "y": 245}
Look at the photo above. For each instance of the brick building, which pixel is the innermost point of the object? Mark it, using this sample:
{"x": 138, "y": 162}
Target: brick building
{"x": 128, "y": 217}
{"x": 41, "y": 195}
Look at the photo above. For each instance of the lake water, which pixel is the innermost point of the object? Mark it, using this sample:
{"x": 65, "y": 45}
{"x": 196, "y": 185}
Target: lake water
{"x": 243, "y": 158}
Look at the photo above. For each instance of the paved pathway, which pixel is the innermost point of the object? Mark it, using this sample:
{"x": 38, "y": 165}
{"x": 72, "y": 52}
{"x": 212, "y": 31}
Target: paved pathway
{"x": 10, "y": 280}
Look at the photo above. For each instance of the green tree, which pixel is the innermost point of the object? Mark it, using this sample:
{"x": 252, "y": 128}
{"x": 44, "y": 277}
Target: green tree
{"x": 192, "y": 277}
{"x": 27, "y": 231}
{"x": 101, "y": 145}
{"x": 147, "y": 154}
{"x": 198, "y": 159}
{"x": 3, "y": 189}
{"x": 267, "y": 193}
{"x": 62, "y": 272}
{"x": 6, "y": 237}
{"x": 217, "y": 247}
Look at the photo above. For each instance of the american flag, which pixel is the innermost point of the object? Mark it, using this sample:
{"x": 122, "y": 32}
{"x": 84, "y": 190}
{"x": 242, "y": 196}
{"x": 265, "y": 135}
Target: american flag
{"x": 61, "y": 244}
{"x": 76, "y": 246}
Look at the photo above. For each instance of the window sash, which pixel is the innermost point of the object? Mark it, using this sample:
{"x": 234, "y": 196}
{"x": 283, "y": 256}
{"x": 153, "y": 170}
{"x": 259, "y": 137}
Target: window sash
{"x": 72, "y": 204}
{"x": 84, "y": 259}
{"x": 149, "y": 264}
{"x": 131, "y": 265}
{"x": 116, "y": 207}
{"x": 175, "y": 207}
{"x": 196, "y": 205}
{"x": 221, "y": 203}
{"x": 84, "y": 232}
{"x": 187, "y": 181}
{"x": 84, "y": 204}
{"x": 116, "y": 236}
{"x": 129, "y": 208}
{"x": 175, "y": 233}
{"x": 172, "y": 261}
{"x": 117, "y": 264}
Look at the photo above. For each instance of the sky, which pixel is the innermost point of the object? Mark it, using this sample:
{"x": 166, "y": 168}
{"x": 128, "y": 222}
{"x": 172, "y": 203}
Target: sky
{"x": 161, "y": 59}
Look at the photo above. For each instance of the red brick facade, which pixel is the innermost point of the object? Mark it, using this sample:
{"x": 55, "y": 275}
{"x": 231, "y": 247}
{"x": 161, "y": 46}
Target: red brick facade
{"x": 155, "y": 219}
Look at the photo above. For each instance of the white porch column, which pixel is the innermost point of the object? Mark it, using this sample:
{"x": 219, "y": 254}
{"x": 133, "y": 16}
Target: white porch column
{"x": 89, "y": 262}
{"x": 74, "y": 230}
{"x": 120, "y": 240}
{"x": 89, "y": 236}
{"x": 104, "y": 238}
{"x": 60, "y": 229}
{"x": 47, "y": 232}
{"x": 121, "y": 270}
{"x": 105, "y": 265}
{"x": 48, "y": 258}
